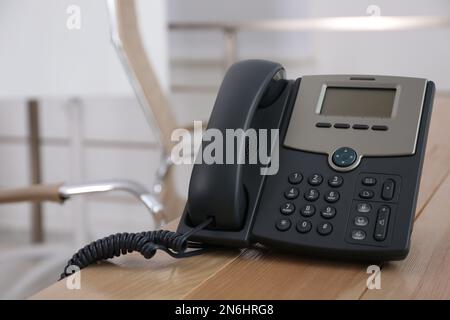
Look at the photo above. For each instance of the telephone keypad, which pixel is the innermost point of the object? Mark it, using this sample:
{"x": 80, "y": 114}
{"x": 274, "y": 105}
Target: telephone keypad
{"x": 304, "y": 202}
{"x": 368, "y": 219}
{"x": 287, "y": 208}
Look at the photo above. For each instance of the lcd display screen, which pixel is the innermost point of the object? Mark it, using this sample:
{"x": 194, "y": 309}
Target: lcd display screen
{"x": 358, "y": 102}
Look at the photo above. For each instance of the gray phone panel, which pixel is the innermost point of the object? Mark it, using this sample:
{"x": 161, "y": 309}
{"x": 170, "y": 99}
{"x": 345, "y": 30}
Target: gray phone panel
{"x": 403, "y": 125}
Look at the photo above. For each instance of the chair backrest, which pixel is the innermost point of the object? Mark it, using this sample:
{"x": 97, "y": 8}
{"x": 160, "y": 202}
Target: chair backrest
{"x": 128, "y": 43}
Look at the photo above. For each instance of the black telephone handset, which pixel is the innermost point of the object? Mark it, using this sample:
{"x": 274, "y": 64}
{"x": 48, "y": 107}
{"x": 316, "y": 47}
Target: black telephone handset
{"x": 217, "y": 190}
{"x": 350, "y": 157}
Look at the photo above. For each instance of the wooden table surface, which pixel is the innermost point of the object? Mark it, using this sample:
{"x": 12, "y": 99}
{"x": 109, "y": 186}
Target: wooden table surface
{"x": 264, "y": 274}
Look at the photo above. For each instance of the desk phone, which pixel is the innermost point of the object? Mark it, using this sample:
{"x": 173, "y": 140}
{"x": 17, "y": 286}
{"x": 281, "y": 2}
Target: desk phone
{"x": 350, "y": 160}
{"x": 350, "y": 156}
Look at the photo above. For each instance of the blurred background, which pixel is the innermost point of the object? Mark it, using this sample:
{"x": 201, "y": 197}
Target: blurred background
{"x": 69, "y": 82}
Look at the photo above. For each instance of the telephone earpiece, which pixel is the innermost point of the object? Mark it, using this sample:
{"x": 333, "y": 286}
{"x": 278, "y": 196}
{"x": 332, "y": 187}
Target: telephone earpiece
{"x": 274, "y": 90}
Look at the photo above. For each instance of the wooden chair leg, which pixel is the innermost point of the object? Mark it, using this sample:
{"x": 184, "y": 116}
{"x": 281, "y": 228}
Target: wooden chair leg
{"x": 37, "y": 230}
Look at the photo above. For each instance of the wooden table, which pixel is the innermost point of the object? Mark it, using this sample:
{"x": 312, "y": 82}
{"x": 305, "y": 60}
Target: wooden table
{"x": 263, "y": 274}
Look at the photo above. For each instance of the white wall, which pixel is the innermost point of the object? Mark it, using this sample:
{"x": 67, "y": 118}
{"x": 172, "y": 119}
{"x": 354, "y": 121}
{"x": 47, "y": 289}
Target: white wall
{"x": 422, "y": 53}
{"x": 41, "y": 56}
{"x": 416, "y": 53}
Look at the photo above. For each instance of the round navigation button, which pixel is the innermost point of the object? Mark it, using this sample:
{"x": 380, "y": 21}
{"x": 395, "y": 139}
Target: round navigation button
{"x": 344, "y": 157}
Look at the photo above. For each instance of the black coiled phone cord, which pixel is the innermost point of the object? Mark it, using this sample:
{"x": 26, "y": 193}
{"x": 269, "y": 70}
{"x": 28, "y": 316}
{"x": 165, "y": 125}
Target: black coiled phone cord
{"x": 146, "y": 243}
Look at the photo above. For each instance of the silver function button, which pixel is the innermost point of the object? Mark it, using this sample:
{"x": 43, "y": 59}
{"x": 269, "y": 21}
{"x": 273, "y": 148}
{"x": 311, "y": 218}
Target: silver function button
{"x": 363, "y": 207}
{"x": 361, "y": 221}
{"x": 358, "y": 235}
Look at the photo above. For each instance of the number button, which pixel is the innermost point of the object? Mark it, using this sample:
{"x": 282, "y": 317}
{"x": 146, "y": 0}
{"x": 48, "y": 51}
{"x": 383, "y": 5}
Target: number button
{"x": 335, "y": 181}
{"x": 312, "y": 195}
{"x": 366, "y": 194}
{"x": 304, "y": 226}
{"x": 291, "y": 193}
{"x": 315, "y": 179}
{"x": 295, "y": 178}
{"x": 332, "y": 196}
{"x": 324, "y": 228}
{"x": 283, "y": 224}
{"x": 308, "y": 210}
{"x": 328, "y": 212}
{"x": 287, "y": 208}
